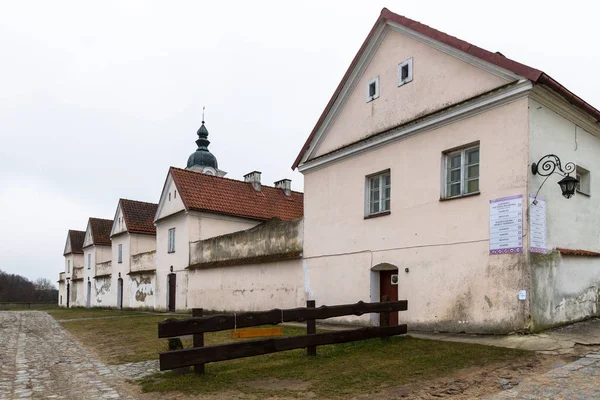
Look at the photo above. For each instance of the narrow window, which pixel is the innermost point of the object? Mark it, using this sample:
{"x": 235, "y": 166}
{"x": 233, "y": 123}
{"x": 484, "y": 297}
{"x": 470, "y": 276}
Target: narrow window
{"x": 171, "y": 240}
{"x": 373, "y": 89}
{"x": 583, "y": 176}
{"x": 68, "y": 266}
{"x": 405, "y": 72}
{"x": 120, "y": 255}
{"x": 175, "y": 194}
{"x": 89, "y": 261}
{"x": 169, "y": 196}
{"x": 378, "y": 193}
{"x": 461, "y": 172}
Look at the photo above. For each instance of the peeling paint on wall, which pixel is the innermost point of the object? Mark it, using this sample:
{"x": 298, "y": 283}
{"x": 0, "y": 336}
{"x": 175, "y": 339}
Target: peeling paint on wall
{"x": 142, "y": 288}
{"x": 101, "y": 289}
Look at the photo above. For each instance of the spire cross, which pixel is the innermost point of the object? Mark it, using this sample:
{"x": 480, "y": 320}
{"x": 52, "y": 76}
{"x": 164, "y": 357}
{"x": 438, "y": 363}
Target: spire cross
{"x": 203, "y": 107}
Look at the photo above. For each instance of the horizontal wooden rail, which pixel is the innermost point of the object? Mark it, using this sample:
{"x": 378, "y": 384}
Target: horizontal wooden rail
{"x": 214, "y": 323}
{"x": 202, "y": 355}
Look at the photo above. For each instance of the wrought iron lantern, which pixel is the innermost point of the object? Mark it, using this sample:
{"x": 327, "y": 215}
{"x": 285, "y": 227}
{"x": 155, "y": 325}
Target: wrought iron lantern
{"x": 550, "y": 164}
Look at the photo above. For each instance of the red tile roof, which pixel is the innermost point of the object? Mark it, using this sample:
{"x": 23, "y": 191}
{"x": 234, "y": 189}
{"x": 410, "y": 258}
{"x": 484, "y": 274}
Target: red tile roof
{"x": 534, "y": 75}
{"x": 139, "y": 216}
{"x": 571, "y": 252}
{"x": 76, "y": 238}
{"x": 201, "y": 192}
{"x": 101, "y": 231}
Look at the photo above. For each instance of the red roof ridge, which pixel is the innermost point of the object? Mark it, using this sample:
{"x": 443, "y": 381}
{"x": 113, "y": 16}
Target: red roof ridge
{"x": 533, "y": 74}
{"x": 137, "y": 201}
{"x": 228, "y": 179}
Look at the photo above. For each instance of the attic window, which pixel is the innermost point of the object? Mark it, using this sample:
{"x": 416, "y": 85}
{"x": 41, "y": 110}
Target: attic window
{"x": 175, "y": 194}
{"x": 583, "y": 176}
{"x": 169, "y": 196}
{"x": 373, "y": 89}
{"x": 405, "y": 72}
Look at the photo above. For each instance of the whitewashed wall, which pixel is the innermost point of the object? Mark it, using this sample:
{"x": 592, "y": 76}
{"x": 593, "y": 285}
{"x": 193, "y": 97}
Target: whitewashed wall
{"x": 566, "y": 287}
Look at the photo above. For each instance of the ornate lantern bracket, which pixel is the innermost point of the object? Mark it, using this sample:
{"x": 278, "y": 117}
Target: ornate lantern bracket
{"x": 550, "y": 164}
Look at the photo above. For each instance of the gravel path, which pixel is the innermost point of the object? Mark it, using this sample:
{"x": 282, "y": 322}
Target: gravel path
{"x": 39, "y": 359}
{"x": 578, "y": 380}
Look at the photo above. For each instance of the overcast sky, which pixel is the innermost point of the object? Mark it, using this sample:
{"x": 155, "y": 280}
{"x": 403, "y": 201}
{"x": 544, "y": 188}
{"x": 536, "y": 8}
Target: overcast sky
{"x": 98, "y": 99}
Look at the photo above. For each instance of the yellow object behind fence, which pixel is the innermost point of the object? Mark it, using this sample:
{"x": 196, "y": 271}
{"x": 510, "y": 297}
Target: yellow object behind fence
{"x": 256, "y": 332}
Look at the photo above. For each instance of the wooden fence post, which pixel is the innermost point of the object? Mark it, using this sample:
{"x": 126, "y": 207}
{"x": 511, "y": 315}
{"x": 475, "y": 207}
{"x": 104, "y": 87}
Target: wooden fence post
{"x": 311, "y": 327}
{"x": 198, "y": 340}
{"x": 385, "y": 316}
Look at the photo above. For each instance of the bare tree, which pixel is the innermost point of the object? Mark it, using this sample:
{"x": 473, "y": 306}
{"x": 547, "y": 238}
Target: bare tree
{"x": 44, "y": 284}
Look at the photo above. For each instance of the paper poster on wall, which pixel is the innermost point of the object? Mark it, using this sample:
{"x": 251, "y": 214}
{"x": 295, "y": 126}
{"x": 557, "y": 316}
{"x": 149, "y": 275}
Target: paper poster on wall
{"x": 506, "y": 225}
{"x": 537, "y": 225}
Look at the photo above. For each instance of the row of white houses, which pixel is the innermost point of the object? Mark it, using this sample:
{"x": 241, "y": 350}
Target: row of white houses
{"x": 420, "y": 183}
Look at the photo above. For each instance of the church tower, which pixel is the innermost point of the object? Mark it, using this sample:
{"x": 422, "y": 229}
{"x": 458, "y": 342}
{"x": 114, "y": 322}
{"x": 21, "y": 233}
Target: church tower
{"x": 202, "y": 160}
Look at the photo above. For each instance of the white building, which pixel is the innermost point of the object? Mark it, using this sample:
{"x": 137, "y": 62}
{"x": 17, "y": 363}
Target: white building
{"x": 422, "y": 143}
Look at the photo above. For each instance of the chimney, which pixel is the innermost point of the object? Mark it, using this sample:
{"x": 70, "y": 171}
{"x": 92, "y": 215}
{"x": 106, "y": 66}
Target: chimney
{"x": 285, "y": 185}
{"x": 253, "y": 178}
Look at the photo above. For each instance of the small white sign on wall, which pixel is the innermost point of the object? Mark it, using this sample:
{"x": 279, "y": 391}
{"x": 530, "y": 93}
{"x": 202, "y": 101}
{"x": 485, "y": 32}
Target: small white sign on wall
{"x": 522, "y": 294}
{"x": 537, "y": 225}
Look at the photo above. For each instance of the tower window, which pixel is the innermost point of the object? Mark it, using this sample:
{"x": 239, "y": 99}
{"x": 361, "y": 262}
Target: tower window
{"x": 583, "y": 175}
{"x": 405, "y": 72}
{"x": 373, "y": 89}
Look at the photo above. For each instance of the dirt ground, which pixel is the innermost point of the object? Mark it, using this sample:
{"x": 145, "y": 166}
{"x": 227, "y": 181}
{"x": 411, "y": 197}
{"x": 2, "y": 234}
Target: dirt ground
{"x": 474, "y": 383}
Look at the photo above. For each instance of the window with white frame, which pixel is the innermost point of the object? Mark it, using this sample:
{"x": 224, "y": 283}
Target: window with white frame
{"x": 373, "y": 89}
{"x": 171, "y": 240}
{"x": 378, "y": 196}
{"x": 461, "y": 172}
{"x": 120, "y": 254}
{"x": 68, "y": 266}
{"x": 583, "y": 176}
{"x": 89, "y": 261}
{"x": 405, "y": 72}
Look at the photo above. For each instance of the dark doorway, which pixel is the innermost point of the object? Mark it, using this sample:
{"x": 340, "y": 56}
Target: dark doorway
{"x": 120, "y": 294}
{"x": 89, "y": 295}
{"x": 68, "y": 294}
{"x": 389, "y": 288}
{"x": 172, "y": 286}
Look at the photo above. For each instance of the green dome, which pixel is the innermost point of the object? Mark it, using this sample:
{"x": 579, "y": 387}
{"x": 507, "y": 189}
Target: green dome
{"x": 202, "y": 156}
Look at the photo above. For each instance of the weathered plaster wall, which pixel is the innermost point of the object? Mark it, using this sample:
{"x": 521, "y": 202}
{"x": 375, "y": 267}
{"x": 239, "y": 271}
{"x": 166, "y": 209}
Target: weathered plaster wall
{"x": 141, "y": 288}
{"x": 104, "y": 268}
{"x": 142, "y": 243}
{"x": 452, "y": 283}
{"x": 248, "y": 287}
{"x": 566, "y": 288}
{"x": 143, "y": 261}
{"x": 101, "y": 292}
{"x": 439, "y": 80}
{"x": 269, "y": 238}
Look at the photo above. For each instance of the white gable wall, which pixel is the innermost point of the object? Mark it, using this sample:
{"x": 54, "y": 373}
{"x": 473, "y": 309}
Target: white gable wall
{"x": 439, "y": 80}
{"x": 567, "y": 288}
{"x": 169, "y": 205}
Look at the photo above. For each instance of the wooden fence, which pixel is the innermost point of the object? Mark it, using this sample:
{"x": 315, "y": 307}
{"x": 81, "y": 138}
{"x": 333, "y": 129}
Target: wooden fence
{"x": 199, "y": 355}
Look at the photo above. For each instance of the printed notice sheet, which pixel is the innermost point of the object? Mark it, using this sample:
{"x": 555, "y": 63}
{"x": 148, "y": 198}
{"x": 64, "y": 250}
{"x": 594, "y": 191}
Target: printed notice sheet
{"x": 506, "y": 225}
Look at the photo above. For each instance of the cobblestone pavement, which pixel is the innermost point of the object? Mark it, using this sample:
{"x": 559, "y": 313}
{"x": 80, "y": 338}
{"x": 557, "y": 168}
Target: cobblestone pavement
{"x": 136, "y": 370}
{"x": 578, "y": 380}
{"x": 39, "y": 359}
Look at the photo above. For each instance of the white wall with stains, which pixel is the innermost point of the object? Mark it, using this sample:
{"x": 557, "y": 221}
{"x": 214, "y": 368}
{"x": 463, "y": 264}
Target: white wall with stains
{"x": 566, "y": 288}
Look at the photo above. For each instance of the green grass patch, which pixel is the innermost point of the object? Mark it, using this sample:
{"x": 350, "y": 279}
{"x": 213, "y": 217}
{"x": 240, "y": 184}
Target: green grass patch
{"x": 342, "y": 370}
{"x": 135, "y": 338}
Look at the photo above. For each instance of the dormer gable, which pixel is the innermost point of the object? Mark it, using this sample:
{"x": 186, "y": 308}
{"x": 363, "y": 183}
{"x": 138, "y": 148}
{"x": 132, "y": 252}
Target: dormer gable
{"x": 119, "y": 225}
{"x": 170, "y": 199}
{"x": 89, "y": 238}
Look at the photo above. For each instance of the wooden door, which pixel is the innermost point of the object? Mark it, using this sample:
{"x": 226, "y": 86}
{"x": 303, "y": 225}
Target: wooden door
{"x": 386, "y": 288}
{"x": 68, "y": 293}
{"x": 89, "y": 295}
{"x": 120, "y": 293}
{"x": 172, "y": 286}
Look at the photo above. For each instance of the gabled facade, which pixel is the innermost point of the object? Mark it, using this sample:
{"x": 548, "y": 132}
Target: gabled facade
{"x": 73, "y": 254}
{"x": 424, "y": 134}
{"x": 133, "y": 238}
{"x": 93, "y": 281}
{"x": 196, "y": 206}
